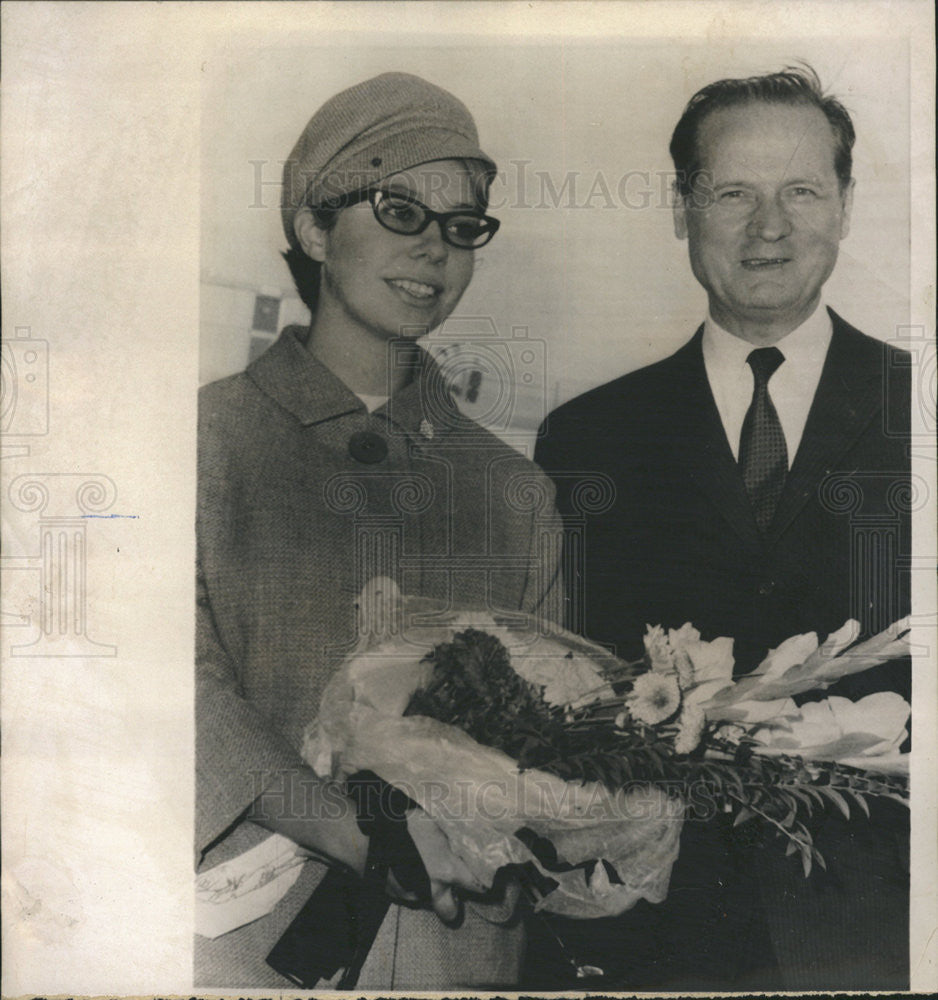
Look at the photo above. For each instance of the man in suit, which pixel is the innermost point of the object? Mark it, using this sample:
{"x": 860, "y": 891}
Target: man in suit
{"x": 761, "y": 480}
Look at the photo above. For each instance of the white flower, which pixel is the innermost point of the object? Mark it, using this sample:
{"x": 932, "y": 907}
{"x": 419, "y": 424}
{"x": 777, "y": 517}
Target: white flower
{"x": 691, "y": 726}
{"x": 730, "y": 732}
{"x": 760, "y": 711}
{"x": 678, "y": 638}
{"x": 840, "y": 729}
{"x": 713, "y": 661}
{"x": 791, "y": 653}
{"x": 654, "y": 697}
{"x": 621, "y": 719}
{"x": 658, "y": 649}
{"x": 838, "y": 641}
{"x": 685, "y": 669}
{"x": 712, "y": 664}
{"x": 882, "y": 714}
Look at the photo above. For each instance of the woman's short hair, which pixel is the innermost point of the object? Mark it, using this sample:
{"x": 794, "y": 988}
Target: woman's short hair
{"x": 304, "y": 270}
{"x": 793, "y": 85}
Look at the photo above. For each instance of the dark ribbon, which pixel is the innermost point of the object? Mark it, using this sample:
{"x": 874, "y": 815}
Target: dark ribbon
{"x": 338, "y": 924}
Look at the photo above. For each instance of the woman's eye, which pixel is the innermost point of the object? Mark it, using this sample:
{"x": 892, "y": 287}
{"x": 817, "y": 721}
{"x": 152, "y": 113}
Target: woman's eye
{"x": 401, "y": 210}
{"x": 466, "y": 229}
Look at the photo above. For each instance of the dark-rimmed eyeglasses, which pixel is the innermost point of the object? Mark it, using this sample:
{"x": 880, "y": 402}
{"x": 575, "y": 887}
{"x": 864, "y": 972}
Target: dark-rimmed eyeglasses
{"x": 405, "y": 215}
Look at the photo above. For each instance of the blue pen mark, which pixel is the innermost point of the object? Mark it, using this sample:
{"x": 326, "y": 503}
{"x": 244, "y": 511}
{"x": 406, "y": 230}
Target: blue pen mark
{"x": 134, "y": 516}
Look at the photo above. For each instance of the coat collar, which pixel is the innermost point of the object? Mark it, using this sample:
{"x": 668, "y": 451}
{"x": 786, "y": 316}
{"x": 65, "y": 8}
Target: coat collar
{"x": 705, "y": 452}
{"x": 294, "y": 378}
{"x": 848, "y": 397}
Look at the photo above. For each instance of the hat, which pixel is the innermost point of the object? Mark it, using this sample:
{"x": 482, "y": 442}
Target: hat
{"x": 372, "y": 130}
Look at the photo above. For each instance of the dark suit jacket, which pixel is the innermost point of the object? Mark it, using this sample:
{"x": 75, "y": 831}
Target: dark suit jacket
{"x": 677, "y": 542}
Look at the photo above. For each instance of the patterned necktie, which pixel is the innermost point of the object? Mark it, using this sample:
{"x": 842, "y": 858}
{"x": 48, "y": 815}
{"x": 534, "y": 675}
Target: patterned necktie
{"x": 763, "y": 457}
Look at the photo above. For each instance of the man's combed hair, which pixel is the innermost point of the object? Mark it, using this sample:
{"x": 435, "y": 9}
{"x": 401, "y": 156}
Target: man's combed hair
{"x": 793, "y": 85}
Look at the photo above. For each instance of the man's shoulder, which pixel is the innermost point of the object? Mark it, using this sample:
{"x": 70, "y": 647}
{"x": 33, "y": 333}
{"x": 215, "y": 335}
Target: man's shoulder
{"x": 626, "y": 396}
{"x": 866, "y": 349}
{"x": 872, "y": 367}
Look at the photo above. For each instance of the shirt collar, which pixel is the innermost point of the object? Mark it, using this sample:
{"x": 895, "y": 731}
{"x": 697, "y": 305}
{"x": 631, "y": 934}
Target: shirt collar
{"x": 294, "y": 378}
{"x": 805, "y": 346}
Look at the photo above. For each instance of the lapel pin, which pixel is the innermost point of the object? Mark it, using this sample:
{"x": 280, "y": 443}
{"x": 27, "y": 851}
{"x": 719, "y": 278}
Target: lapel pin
{"x": 426, "y": 429}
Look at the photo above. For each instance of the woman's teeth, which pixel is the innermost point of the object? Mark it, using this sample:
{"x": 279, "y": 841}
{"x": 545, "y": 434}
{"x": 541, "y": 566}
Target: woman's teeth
{"x": 416, "y": 288}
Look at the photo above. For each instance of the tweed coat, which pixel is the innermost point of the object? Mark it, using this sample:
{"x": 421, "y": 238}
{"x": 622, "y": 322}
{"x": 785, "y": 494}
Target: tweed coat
{"x": 678, "y": 542}
{"x": 293, "y": 518}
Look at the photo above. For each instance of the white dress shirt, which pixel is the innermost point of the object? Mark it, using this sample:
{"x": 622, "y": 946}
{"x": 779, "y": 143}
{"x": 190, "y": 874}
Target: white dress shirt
{"x": 791, "y": 387}
{"x": 372, "y": 403}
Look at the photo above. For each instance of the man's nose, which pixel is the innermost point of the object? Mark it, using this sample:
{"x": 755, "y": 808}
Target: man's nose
{"x": 770, "y": 220}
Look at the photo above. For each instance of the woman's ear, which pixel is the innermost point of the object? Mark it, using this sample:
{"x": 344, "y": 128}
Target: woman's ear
{"x": 310, "y": 237}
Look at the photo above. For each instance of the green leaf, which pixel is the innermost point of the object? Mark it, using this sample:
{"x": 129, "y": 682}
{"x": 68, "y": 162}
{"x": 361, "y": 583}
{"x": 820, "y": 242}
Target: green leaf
{"x": 806, "y": 861}
{"x": 743, "y": 816}
{"x": 860, "y": 800}
{"x": 799, "y": 794}
{"x": 814, "y": 793}
{"x": 837, "y": 799}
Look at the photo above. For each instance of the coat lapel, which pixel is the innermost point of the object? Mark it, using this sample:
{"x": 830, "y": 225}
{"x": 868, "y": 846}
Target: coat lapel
{"x": 848, "y": 396}
{"x": 705, "y": 452}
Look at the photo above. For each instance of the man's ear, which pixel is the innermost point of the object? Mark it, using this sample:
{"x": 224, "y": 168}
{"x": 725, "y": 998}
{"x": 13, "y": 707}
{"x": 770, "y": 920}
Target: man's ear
{"x": 847, "y": 202}
{"x": 310, "y": 237}
{"x": 679, "y": 214}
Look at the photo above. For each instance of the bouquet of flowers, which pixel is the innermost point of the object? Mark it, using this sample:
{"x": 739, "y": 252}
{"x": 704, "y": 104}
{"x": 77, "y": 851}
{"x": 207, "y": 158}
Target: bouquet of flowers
{"x": 531, "y": 746}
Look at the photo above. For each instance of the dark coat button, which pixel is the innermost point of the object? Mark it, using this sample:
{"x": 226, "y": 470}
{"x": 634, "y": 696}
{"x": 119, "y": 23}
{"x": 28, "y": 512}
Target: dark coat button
{"x": 367, "y": 447}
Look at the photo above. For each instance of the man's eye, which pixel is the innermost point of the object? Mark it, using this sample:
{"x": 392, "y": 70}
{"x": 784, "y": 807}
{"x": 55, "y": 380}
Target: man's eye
{"x": 732, "y": 194}
{"x": 804, "y": 192}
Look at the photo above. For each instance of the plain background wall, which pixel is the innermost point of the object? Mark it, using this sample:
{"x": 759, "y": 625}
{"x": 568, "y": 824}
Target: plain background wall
{"x": 592, "y": 269}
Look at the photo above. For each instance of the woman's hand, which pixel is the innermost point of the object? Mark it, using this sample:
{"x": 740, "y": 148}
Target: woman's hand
{"x": 447, "y": 872}
{"x": 315, "y": 813}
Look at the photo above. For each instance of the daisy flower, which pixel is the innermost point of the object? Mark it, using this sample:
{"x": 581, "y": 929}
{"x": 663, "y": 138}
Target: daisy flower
{"x": 654, "y": 697}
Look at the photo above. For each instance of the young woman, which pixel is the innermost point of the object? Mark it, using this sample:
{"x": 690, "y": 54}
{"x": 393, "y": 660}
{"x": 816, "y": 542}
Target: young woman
{"x": 336, "y": 458}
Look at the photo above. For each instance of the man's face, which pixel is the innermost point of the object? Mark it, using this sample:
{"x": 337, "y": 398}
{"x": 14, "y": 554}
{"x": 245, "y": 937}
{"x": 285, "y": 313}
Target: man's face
{"x": 764, "y": 225}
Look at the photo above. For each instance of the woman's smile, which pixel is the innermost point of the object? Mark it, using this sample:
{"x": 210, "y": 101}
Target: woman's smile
{"x": 415, "y": 292}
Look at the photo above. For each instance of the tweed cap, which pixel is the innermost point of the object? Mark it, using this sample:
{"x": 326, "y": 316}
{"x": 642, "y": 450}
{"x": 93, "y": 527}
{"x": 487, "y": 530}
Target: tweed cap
{"x": 390, "y": 123}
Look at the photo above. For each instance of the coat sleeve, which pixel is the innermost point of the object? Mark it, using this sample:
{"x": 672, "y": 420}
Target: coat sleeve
{"x": 238, "y": 755}
{"x": 551, "y": 455}
{"x": 543, "y": 592}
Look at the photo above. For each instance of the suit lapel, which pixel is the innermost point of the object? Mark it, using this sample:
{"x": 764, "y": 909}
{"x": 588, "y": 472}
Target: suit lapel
{"x": 848, "y": 397}
{"x": 704, "y": 450}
